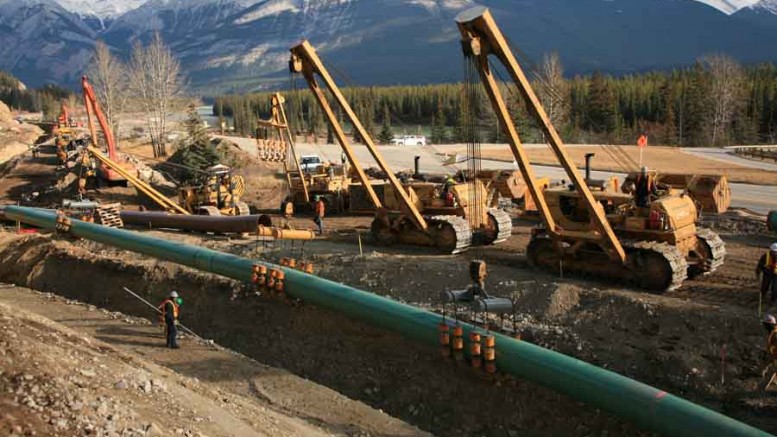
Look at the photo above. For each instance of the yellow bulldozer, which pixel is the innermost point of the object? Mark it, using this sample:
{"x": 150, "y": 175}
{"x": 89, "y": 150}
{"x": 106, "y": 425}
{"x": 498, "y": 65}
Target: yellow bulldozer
{"x": 307, "y": 176}
{"x": 449, "y": 217}
{"x": 218, "y": 193}
{"x": 593, "y": 231}
{"x": 711, "y": 192}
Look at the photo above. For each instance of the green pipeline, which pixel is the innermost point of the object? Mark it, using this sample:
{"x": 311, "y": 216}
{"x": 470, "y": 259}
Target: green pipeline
{"x": 645, "y": 406}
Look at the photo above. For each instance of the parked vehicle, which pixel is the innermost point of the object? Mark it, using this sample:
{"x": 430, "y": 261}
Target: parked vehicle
{"x": 409, "y": 140}
{"x": 310, "y": 163}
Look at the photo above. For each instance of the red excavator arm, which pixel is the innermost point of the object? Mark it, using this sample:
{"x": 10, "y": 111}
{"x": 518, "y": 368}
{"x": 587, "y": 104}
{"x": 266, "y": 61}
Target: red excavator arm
{"x": 93, "y": 107}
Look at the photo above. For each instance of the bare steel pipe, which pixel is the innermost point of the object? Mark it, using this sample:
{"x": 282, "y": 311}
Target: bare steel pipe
{"x": 198, "y": 223}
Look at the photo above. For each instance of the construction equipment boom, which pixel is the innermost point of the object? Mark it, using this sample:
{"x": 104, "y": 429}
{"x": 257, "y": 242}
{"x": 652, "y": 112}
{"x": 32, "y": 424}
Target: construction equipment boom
{"x": 481, "y": 38}
{"x": 93, "y": 110}
{"x": 448, "y": 229}
{"x": 280, "y": 123}
{"x": 603, "y": 232}
{"x": 142, "y": 186}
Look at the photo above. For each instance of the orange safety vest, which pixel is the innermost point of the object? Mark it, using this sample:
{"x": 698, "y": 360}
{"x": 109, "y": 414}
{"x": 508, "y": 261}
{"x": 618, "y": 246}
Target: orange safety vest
{"x": 320, "y": 208}
{"x": 770, "y": 263}
{"x": 771, "y": 344}
{"x": 162, "y": 309}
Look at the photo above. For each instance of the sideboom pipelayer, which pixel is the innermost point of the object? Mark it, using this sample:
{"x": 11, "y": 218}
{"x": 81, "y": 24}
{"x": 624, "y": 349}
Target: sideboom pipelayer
{"x": 597, "y": 232}
{"x": 412, "y": 214}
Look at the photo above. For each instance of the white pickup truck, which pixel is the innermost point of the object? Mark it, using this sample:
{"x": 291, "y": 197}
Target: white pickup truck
{"x": 409, "y": 140}
{"x": 310, "y": 163}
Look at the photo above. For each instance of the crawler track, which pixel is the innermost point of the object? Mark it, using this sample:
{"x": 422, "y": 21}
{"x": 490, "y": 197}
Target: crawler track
{"x": 504, "y": 224}
{"x": 716, "y": 247}
{"x": 675, "y": 268}
{"x": 652, "y": 266}
{"x": 451, "y": 226}
{"x": 242, "y": 208}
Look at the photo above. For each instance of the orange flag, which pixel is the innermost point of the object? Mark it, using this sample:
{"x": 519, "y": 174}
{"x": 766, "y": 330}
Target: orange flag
{"x": 642, "y": 141}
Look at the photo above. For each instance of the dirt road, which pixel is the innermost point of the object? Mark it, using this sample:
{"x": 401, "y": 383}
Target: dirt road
{"x": 756, "y": 197}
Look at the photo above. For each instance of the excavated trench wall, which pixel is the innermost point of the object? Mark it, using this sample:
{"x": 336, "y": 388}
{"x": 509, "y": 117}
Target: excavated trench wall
{"x": 411, "y": 382}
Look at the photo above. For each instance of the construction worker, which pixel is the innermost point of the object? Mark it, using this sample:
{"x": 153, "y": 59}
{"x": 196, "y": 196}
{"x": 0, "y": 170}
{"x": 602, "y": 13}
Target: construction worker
{"x": 449, "y": 182}
{"x": 169, "y": 309}
{"x": 769, "y": 323}
{"x": 644, "y": 187}
{"x": 319, "y": 210}
{"x": 767, "y": 268}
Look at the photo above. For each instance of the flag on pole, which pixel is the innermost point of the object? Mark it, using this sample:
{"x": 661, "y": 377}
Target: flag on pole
{"x": 642, "y": 141}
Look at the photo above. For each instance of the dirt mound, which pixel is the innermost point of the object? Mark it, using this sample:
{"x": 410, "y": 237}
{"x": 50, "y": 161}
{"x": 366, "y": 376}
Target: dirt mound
{"x": 739, "y": 221}
{"x": 5, "y": 113}
{"x": 56, "y": 381}
{"x": 15, "y": 137}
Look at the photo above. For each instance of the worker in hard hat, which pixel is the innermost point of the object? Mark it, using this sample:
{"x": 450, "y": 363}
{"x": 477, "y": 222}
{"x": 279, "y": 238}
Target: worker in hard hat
{"x": 449, "y": 182}
{"x": 767, "y": 269}
{"x": 644, "y": 187}
{"x": 169, "y": 309}
{"x": 319, "y": 210}
{"x": 769, "y": 322}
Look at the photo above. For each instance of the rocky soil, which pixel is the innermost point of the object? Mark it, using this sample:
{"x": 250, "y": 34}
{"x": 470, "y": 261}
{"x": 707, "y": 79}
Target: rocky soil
{"x": 81, "y": 379}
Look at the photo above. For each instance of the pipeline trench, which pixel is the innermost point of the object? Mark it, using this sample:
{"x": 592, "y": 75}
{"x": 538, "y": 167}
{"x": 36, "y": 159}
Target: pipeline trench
{"x": 388, "y": 372}
{"x": 640, "y": 337}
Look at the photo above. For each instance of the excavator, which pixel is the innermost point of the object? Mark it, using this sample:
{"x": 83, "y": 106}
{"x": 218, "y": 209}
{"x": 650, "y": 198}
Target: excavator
{"x": 106, "y": 172}
{"x": 219, "y": 193}
{"x": 590, "y": 231}
{"x": 414, "y": 214}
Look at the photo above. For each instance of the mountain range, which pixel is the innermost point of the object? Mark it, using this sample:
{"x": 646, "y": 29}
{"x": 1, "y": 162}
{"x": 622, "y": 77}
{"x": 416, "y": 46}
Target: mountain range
{"x": 240, "y": 45}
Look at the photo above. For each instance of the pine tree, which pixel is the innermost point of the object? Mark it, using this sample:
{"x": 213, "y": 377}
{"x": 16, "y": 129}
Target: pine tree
{"x": 386, "y": 134}
{"x": 668, "y": 96}
{"x": 602, "y": 116}
{"x": 461, "y": 128}
{"x": 196, "y": 153}
{"x": 439, "y": 130}
{"x": 696, "y": 108}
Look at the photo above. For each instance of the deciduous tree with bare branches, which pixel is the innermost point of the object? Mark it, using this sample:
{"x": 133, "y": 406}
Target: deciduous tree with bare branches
{"x": 553, "y": 90}
{"x": 157, "y": 83}
{"x": 727, "y": 94}
{"x": 108, "y": 78}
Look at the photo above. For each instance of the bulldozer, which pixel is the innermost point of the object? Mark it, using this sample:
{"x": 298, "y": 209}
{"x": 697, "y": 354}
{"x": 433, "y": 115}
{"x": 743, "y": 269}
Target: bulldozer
{"x": 65, "y": 139}
{"x": 509, "y": 184}
{"x": 450, "y": 218}
{"x": 329, "y": 181}
{"x": 591, "y": 231}
{"x": 325, "y": 180}
{"x": 711, "y": 192}
{"x": 218, "y": 193}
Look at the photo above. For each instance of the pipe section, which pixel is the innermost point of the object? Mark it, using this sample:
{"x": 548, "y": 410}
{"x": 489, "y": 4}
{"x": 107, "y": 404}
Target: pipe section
{"x": 646, "y": 406}
{"x": 199, "y": 223}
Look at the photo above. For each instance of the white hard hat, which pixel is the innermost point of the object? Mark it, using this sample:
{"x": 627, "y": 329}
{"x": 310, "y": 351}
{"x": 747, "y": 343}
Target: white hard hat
{"x": 768, "y": 318}
{"x": 773, "y": 247}
{"x": 173, "y": 294}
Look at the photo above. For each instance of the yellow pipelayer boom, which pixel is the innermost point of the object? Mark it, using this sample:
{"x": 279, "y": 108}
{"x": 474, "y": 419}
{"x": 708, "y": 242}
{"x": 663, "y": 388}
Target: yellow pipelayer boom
{"x": 593, "y": 232}
{"x": 449, "y": 229}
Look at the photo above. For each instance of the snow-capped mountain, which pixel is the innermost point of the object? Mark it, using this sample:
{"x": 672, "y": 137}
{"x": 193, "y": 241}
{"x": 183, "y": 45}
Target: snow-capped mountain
{"x": 243, "y": 44}
{"x": 100, "y": 8}
{"x": 113, "y": 8}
